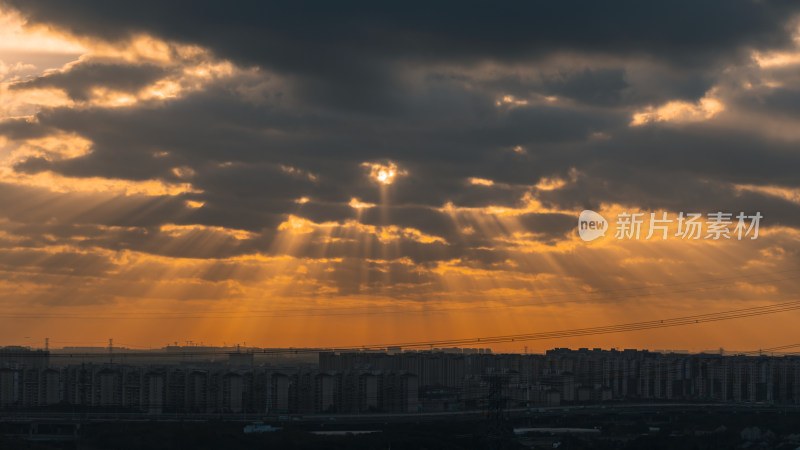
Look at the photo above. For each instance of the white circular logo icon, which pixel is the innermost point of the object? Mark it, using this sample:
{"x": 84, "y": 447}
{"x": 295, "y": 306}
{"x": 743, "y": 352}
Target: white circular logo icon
{"x": 591, "y": 225}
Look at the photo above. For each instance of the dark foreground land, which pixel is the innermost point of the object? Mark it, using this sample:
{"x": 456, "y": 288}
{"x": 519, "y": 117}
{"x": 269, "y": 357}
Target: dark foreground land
{"x": 745, "y": 428}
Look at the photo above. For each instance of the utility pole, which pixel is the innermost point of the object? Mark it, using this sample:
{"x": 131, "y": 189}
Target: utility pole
{"x": 111, "y": 351}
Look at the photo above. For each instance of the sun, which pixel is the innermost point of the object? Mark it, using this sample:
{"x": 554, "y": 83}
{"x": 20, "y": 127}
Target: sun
{"x": 383, "y": 173}
{"x": 386, "y": 176}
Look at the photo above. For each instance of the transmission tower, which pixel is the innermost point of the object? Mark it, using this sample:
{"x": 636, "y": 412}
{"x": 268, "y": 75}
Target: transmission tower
{"x": 498, "y": 430}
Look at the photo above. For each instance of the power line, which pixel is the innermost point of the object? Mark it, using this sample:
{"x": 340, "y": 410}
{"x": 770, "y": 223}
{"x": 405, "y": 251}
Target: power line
{"x": 775, "y": 308}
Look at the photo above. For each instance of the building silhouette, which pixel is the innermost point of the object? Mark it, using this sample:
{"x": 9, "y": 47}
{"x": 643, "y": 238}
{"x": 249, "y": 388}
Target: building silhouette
{"x": 349, "y": 382}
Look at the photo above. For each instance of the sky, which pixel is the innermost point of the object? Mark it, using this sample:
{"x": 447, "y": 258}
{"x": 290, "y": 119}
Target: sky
{"x": 326, "y": 174}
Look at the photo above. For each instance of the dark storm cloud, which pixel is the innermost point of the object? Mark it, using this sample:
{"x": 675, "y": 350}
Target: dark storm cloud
{"x": 208, "y": 129}
{"x": 625, "y": 86}
{"x": 422, "y": 86}
{"x": 320, "y": 157}
{"x": 36, "y": 206}
{"x": 80, "y": 79}
{"x": 606, "y": 82}
{"x": 551, "y": 225}
{"x": 698, "y": 151}
{"x": 779, "y": 103}
{"x": 304, "y": 36}
{"x": 602, "y": 87}
{"x": 349, "y": 56}
{"x": 47, "y": 263}
{"x": 353, "y": 276}
{"x": 650, "y": 190}
{"x": 21, "y": 129}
